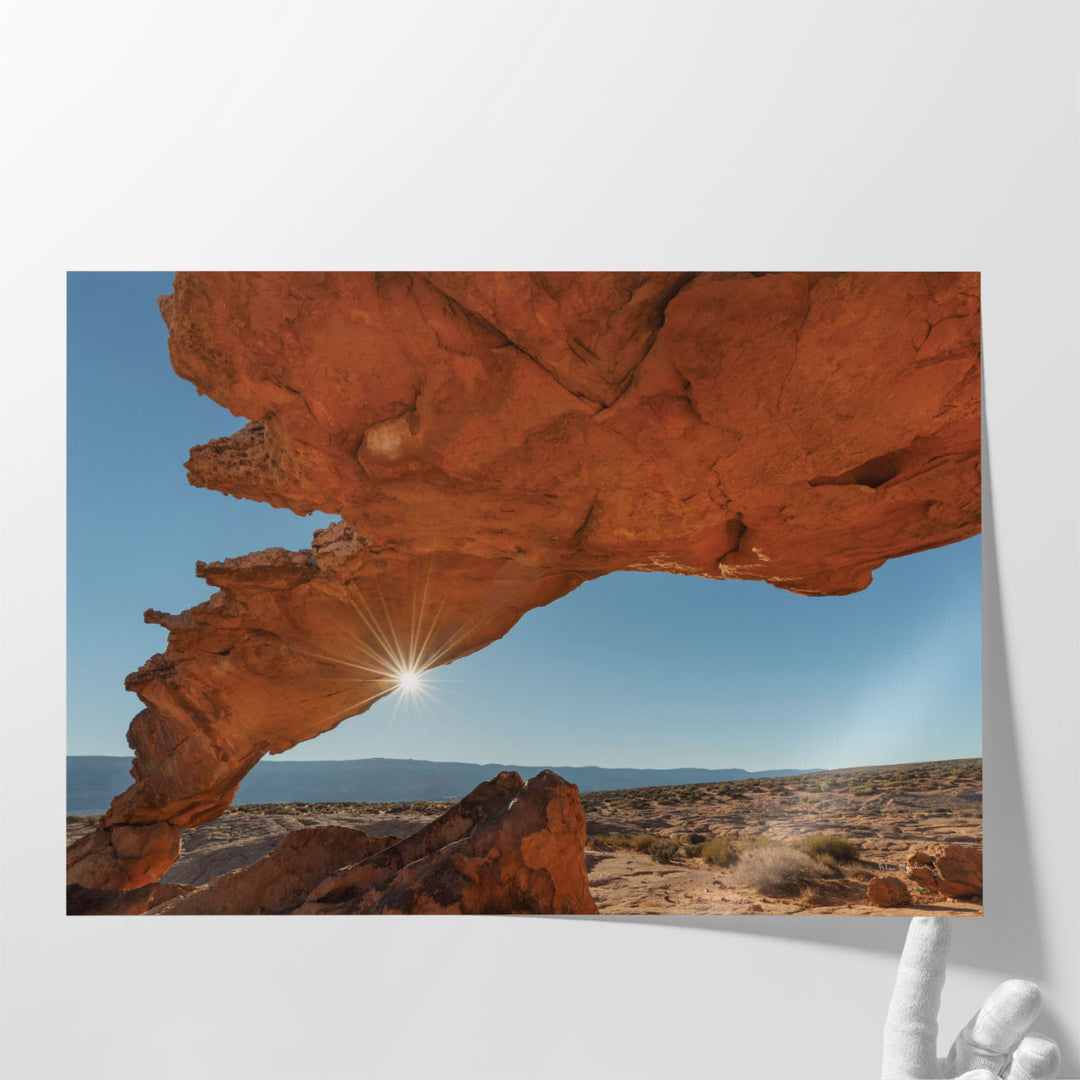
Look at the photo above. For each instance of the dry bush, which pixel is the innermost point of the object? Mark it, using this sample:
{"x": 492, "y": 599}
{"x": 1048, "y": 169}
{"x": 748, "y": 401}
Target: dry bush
{"x": 607, "y": 841}
{"x": 719, "y": 851}
{"x": 775, "y": 868}
{"x": 828, "y": 848}
{"x": 663, "y": 851}
{"x": 659, "y": 848}
{"x": 748, "y": 841}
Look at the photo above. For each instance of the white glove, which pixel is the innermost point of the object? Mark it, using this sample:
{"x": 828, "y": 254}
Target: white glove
{"x": 993, "y": 1043}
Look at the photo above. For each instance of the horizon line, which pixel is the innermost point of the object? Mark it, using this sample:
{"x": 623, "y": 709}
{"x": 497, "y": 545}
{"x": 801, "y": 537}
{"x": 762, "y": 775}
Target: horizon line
{"x": 267, "y": 759}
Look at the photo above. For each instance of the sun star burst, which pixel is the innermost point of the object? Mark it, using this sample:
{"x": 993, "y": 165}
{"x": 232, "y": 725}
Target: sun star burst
{"x": 410, "y": 681}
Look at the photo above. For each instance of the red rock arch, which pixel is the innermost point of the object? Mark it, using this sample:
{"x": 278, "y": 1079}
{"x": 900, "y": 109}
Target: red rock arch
{"x": 509, "y": 436}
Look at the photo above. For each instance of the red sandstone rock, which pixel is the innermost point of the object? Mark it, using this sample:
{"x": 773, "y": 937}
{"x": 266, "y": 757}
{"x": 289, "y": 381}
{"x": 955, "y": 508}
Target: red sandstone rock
{"x": 888, "y": 892}
{"x": 507, "y": 848}
{"x": 951, "y": 869}
{"x": 491, "y": 441}
{"x": 280, "y": 880}
{"x": 84, "y": 901}
{"x": 125, "y": 857}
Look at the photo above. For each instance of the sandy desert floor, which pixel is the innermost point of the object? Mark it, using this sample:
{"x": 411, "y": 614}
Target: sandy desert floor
{"x": 646, "y": 849}
{"x": 884, "y": 810}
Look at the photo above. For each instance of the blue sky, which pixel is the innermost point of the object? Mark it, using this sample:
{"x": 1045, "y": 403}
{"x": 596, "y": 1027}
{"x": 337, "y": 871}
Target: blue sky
{"x": 647, "y": 670}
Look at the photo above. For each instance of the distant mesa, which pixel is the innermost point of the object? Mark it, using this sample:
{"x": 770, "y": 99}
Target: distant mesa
{"x": 91, "y": 781}
{"x": 490, "y": 441}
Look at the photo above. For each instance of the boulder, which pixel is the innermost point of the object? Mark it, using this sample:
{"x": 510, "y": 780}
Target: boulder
{"x": 507, "y": 848}
{"x": 888, "y": 892}
{"x": 950, "y": 869}
{"x": 124, "y": 857}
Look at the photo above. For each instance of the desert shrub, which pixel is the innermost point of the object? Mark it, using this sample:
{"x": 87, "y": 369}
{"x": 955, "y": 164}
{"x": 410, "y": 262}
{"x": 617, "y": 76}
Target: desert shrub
{"x": 696, "y": 838}
{"x": 663, "y": 851}
{"x": 608, "y": 841}
{"x": 692, "y": 851}
{"x": 658, "y": 847}
{"x": 827, "y": 847}
{"x": 753, "y": 840}
{"x": 775, "y": 868}
{"x": 719, "y": 851}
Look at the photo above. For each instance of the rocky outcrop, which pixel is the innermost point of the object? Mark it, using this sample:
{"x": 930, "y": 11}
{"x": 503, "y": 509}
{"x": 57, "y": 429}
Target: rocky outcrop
{"x": 124, "y": 857}
{"x": 888, "y": 892}
{"x": 84, "y": 901}
{"x": 490, "y": 442}
{"x": 280, "y": 880}
{"x": 507, "y": 848}
{"x": 950, "y": 869}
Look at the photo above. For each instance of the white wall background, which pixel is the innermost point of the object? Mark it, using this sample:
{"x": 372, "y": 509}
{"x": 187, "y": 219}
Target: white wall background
{"x": 327, "y": 135}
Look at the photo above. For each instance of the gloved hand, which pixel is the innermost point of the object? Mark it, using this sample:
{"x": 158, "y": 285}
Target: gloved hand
{"x": 994, "y": 1043}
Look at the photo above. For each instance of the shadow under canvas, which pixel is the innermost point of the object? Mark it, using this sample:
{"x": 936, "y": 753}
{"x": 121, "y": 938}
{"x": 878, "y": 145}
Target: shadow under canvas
{"x": 1008, "y": 938}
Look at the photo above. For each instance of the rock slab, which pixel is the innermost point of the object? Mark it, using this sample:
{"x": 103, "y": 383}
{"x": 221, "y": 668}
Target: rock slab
{"x": 507, "y": 848}
{"x": 280, "y": 880}
{"x": 950, "y": 869}
{"x": 84, "y": 901}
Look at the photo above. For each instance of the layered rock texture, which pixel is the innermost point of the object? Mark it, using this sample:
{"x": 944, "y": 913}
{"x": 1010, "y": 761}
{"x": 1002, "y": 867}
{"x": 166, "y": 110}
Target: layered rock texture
{"x": 507, "y": 848}
{"x": 490, "y": 442}
{"x": 951, "y": 869}
{"x": 280, "y": 880}
{"x": 84, "y": 901}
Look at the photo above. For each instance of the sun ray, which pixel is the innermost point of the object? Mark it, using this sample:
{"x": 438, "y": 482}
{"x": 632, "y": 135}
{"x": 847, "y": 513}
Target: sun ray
{"x": 371, "y": 622}
{"x": 340, "y": 715}
{"x": 419, "y": 606}
{"x": 388, "y": 657}
{"x": 380, "y": 671}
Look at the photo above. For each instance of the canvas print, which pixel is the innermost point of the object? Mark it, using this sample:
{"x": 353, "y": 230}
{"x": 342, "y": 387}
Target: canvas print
{"x": 618, "y": 593}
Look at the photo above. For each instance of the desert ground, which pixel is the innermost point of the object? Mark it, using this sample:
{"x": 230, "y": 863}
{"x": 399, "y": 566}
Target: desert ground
{"x": 798, "y": 845}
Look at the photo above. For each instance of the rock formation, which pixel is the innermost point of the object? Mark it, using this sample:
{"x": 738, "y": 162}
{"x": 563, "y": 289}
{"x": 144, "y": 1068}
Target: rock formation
{"x": 507, "y": 848}
{"x": 888, "y": 892}
{"x": 123, "y": 857}
{"x": 490, "y": 442}
{"x": 951, "y": 869}
{"x": 280, "y": 880}
{"x": 84, "y": 901}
